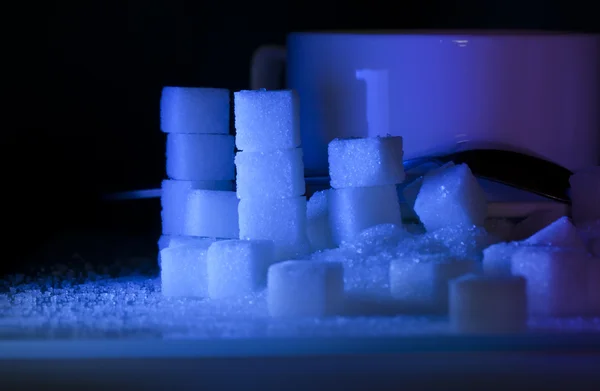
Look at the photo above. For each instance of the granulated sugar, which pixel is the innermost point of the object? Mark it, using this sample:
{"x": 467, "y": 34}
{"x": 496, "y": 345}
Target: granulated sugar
{"x": 133, "y": 307}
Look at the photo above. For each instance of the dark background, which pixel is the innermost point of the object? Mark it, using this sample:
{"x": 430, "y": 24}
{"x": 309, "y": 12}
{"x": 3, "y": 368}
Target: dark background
{"x": 85, "y": 79}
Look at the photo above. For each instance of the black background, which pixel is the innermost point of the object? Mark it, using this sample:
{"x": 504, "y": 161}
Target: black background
{"x": 84, "y": 81}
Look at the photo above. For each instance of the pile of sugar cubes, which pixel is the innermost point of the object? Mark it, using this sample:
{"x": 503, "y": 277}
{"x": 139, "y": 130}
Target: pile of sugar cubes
{"x": 314, "y": 258}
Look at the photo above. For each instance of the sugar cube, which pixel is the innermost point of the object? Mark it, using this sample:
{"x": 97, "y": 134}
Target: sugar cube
{"x": 535, "y": 222}
{"x": 278, "y": 173}
{"x": 594, "y": 287}
{"x": 411, "y": 191}
{"x": 560, "y": 233}
{"x": 364, "y": 162}
{"x": 266, "y": 120}
{"x": 282, "y": 220}
{"x": 178, "y": 240}
{"x": 585, "y": 193}
{"x": 194, "y": 110}
{"x": 497, "y": 258}
{"x": 317, "y": 221}
{"x": 451, "y": 196}
{"x": 238, "y": 267}
{"x": 305, "y": 288}
{"x": 212, "y": 214}
{"x": 557, "y": 279}
{"x": 184, "y": 271}
{"x": 200, "y": 157}
{"x": 354, "y": 209}
{"x": 419, "y": 282}
{"x": 491, "y": 305}
{"x": 173, "y": 201}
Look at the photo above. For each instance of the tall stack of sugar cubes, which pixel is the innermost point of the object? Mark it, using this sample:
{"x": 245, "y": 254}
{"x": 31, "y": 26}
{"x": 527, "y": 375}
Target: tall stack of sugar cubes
{"x": 198, "y": 203}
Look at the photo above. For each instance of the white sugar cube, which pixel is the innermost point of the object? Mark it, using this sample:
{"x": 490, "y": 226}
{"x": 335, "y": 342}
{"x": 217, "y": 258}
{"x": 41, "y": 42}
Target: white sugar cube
{"x": 364, "y": 162}
{"x": 238, "y": 267}
{"x": 419, "y": 282}
{"x": 535, "y": 222}
{"x": 411, "y": 191}
{"x": 451, "y": 196}
{"x": 200, "y": 157}
{"x": 184, "y": 271}
{"x": 305, "y": 289}
{"x": 594, "y": 287}
{"x": 497, "y": 258}
{"x": 318, "y": 228}
{"x": 557, "y": 279}
{"x": 354, "y": 209}
{"x": 585, "y": 194}
{"x": 560, "y": 233}
{"x": 211, "y": 214}
{"x": 482, "y": 304}
{"x": 282, "y": 220}
{"x": 194, "y": 110}
{"x": 266, "y": 120}
{"x": 270, "y": 174}
{"x": 166, "y": 241}
{"x": 173, "y": 201}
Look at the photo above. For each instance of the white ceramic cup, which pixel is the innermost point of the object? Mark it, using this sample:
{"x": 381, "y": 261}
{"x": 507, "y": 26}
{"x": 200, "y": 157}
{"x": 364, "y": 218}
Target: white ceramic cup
{"x": 531, "y": 92}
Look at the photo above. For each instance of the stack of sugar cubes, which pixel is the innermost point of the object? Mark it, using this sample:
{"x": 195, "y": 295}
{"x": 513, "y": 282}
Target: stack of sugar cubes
{"x": 270, "y": 188}
{"x": 364, "y": 173}
{"x": 198, "y": 203}
{"x": 273, "y": 208}
{"x": 270, "y": 170}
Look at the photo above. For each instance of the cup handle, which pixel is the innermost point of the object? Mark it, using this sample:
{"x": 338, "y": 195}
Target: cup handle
{"x": 267, "y": 67}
